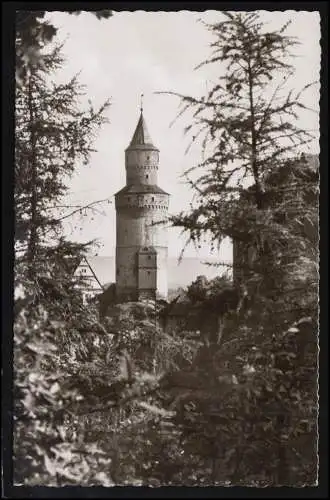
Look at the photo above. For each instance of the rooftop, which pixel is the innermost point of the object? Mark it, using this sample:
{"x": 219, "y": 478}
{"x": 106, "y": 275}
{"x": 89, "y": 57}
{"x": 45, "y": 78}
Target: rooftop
{"x": 141, "y": 189}
{"x": 148, "y": 249}
{"x": 141, "y": 138}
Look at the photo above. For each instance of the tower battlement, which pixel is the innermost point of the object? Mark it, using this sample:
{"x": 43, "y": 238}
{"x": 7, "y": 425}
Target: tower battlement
{"x": 150, "y": 200}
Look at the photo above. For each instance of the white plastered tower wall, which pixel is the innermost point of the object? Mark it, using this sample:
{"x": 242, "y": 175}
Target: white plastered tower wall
{"x": 141, "y": 206}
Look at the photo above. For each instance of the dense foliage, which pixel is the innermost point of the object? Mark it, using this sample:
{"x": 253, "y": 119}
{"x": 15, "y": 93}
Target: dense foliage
{"x": 253, "y": 186}
{"x": 131, "y": 399}
{"x": 53, "y": 138}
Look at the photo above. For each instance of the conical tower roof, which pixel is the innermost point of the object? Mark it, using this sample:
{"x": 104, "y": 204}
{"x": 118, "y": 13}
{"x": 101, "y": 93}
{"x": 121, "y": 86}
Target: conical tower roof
{"x": 141, "y": 138}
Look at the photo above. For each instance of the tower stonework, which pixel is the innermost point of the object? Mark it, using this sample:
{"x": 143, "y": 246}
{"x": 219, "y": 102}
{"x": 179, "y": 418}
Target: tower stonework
{"x": 141, "y": 243}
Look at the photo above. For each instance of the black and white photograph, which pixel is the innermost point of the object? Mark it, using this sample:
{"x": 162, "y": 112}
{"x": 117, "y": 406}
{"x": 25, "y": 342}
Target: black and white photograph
{"x": 166, "y": 268}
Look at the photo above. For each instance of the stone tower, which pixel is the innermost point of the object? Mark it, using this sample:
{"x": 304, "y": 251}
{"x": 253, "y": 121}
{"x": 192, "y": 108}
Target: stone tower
{"x": 141, "y": 246}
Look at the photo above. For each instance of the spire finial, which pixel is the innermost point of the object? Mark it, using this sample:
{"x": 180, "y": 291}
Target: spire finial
{"x": 141, "y": 103}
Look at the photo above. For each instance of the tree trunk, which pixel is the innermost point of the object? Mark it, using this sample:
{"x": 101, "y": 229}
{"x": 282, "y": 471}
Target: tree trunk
{"x": 33, "y": 237}
{"x": 254, "y": 165}
{"x": 283, "y": 478}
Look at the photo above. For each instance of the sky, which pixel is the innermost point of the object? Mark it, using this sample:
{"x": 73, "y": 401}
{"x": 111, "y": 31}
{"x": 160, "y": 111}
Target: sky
{"x": 146, "y": 52}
